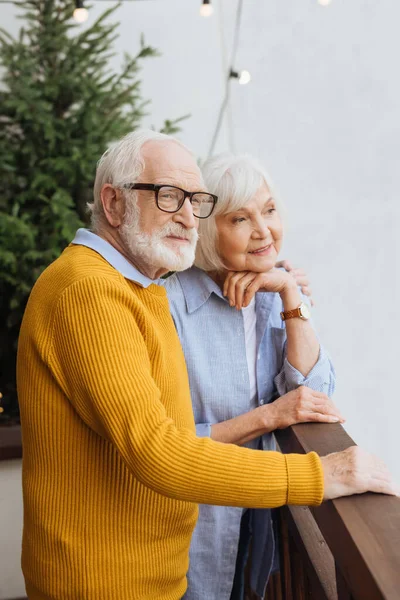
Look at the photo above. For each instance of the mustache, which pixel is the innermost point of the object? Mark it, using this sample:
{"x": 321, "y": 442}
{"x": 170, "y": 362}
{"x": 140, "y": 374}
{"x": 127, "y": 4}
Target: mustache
{"x": 179, "y": 231}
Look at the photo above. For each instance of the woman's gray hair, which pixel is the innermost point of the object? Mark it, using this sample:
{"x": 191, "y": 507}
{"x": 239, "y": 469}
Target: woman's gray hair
{"x": 235, "y": 180}
{"x": 121, "y": 163}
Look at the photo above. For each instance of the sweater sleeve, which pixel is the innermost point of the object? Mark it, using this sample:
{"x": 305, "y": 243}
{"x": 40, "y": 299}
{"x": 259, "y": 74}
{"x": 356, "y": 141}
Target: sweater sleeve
{"x": 100, "y": 360}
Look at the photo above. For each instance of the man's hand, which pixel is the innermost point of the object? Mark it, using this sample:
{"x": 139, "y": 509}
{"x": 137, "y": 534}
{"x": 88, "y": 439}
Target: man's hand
{"x": 355, "y": 471}
{"x": 241, "y": 286}
{"x": 302, "y": 405}
{"x": 299, "y": 276}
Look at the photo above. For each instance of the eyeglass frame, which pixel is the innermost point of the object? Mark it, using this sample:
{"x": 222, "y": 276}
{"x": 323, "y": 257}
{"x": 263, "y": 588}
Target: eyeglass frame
{"x": 156, "y": 188}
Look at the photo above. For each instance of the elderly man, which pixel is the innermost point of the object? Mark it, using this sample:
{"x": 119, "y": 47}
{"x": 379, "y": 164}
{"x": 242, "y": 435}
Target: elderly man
{"x": 112, "y": 466}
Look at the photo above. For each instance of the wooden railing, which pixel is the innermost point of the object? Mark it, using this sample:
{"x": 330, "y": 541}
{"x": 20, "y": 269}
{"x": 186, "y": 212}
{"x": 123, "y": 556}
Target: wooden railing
{"x": 10, "y": 442}
{"x": 345, "y": 549}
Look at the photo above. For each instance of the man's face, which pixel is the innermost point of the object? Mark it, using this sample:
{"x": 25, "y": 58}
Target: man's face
{"x": 158, "y": 239}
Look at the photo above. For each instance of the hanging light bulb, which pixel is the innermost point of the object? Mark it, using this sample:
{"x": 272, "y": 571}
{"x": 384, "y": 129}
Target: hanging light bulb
{"x": 80, "y": 13}
{"x": 243, "y": 77}
{"x": 324, "y": 2}
{"x": 206, "y": 9}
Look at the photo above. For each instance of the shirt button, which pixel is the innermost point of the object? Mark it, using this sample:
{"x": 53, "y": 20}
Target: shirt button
{"x": 262, "y": 401}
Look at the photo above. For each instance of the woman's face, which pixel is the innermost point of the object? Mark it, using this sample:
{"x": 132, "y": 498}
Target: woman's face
{"x": 250, "y": 239}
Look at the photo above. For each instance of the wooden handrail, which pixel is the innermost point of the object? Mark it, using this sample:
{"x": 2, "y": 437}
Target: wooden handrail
{"x": 10, "y": 442}
{"x": 362, "y": 532}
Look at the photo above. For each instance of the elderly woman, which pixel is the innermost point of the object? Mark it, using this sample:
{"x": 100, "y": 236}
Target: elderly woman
{"x": 249, "y": 346}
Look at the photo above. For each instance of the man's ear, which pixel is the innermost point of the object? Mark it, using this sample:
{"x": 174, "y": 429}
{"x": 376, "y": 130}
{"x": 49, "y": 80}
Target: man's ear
{"x": 113, "y": 204}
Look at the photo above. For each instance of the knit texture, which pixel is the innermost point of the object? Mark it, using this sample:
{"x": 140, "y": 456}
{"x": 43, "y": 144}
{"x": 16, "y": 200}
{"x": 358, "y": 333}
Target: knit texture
{"x": 112, "y": 467}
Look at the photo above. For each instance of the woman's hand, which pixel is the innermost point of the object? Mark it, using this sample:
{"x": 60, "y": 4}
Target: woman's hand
{"x": 300, "y": 277}
{"x": 302, "y": 405}
{"x": 241, "y": 286}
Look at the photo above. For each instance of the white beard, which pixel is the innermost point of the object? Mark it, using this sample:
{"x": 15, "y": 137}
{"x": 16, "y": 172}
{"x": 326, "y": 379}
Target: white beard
{"x": 151, "y": 249}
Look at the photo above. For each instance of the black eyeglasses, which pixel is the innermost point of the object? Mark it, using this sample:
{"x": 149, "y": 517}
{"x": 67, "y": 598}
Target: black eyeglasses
{"x": 170, "y": 199}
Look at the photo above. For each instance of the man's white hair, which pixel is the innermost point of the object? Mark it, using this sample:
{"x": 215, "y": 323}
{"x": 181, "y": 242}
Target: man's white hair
{"x": 122, "y": 163}
{"x": 235, "y": 180}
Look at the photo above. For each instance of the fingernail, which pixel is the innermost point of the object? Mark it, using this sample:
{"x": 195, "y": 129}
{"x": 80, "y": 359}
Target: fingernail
{"x": 334, "y": 420}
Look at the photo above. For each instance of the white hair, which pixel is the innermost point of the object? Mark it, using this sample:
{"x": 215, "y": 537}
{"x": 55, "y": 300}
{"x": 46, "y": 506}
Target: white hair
{"x": 122, "y": 163}
{"x": 235, "y": 180}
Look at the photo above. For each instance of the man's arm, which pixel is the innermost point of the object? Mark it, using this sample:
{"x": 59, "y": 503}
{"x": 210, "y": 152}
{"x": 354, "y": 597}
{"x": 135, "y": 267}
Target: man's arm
{"x": 100, "y": 360}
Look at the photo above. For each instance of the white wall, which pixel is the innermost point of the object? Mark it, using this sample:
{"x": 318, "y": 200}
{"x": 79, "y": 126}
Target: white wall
{"x": 322, "y": 112}
{"x": 11, "y": 581}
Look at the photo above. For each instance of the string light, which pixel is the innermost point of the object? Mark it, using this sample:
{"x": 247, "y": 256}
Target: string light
{"x": 80, "y": 13}
{"x": 225, "y": 100}
{"x": 206, "y": 9}
{"x": 243, "y": 77}
{"x": 324, "y": 2}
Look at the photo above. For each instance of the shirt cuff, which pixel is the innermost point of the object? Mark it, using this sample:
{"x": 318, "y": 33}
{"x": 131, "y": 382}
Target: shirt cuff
{"x": 318, "y": 378}
{"x": 203, "y": 430}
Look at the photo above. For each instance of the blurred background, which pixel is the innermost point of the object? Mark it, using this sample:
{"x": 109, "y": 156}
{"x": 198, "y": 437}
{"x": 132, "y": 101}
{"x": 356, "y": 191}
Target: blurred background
{"x": 318, "y": 104}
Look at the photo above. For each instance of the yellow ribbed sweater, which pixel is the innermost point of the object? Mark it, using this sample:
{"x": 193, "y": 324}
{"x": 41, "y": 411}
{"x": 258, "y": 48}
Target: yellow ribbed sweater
{"x": 112, "y": 468}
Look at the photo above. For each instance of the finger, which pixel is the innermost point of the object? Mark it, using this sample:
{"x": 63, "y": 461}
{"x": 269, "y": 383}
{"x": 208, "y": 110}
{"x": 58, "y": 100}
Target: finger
{"x": 328, "y": 408}
{"x": 305, "y": 290}
{"x": 227, "y": 281}
{"x": 284, "y": 264}
{"x": 251, "y": 290}
{"x": 384, "y": 487}
{"x": 317, "y": 417}
{"x": 299, "y": 274}
{"x": 232, "y": 275}
{"x": 324, "y": 402}
{"x": 231, "y": 290}
{"x": 240, "y": 289}
{"x": 301, "y": 280}
{"x": 319, "y": 395}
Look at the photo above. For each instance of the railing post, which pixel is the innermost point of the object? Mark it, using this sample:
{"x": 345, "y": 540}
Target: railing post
{"x": 341, "y": 586}
{"x": 286, "y": 575}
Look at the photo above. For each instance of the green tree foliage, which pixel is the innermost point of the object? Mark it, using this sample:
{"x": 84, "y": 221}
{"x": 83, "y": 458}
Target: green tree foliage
{"x": 60, "y": 106}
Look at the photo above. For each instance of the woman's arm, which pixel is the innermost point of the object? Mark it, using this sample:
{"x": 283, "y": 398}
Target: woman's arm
{"x": 302, "y": 405}
{"x": 302, "y": 343}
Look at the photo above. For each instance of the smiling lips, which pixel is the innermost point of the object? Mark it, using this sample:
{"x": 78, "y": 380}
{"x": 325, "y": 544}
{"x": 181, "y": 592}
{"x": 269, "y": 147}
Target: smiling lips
{"x": 263, "y": 250}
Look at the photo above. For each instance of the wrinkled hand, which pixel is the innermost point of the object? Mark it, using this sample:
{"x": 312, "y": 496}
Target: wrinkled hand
{"x": 302, "y": 405}
{"x": 240, "y": 286}
{"x": 299, "y": 276}
{"x": 355, "y": 471}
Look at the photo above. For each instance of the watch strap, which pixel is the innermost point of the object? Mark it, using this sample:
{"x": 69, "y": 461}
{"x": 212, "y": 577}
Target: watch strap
{"x": 291, "y": 314}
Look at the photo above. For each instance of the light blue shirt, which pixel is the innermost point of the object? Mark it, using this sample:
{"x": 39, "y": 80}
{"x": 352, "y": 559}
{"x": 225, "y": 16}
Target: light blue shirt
{"x": 213, "y": 340}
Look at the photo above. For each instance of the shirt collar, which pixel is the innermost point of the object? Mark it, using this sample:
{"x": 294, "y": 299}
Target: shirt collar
{"x": 84, "y": 237}
{"x": 197, "y": 287}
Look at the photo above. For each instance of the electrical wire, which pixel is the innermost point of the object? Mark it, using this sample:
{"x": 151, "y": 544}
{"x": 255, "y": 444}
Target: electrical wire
{"x": 225, "y": 101}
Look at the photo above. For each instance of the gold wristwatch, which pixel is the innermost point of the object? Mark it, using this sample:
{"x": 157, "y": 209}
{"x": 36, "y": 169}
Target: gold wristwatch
{"x": 302, "y": 311}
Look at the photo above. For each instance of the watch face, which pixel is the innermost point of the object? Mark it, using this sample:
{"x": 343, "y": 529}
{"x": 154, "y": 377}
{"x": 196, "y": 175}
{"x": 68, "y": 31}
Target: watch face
{"x": 304, "y": 311}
